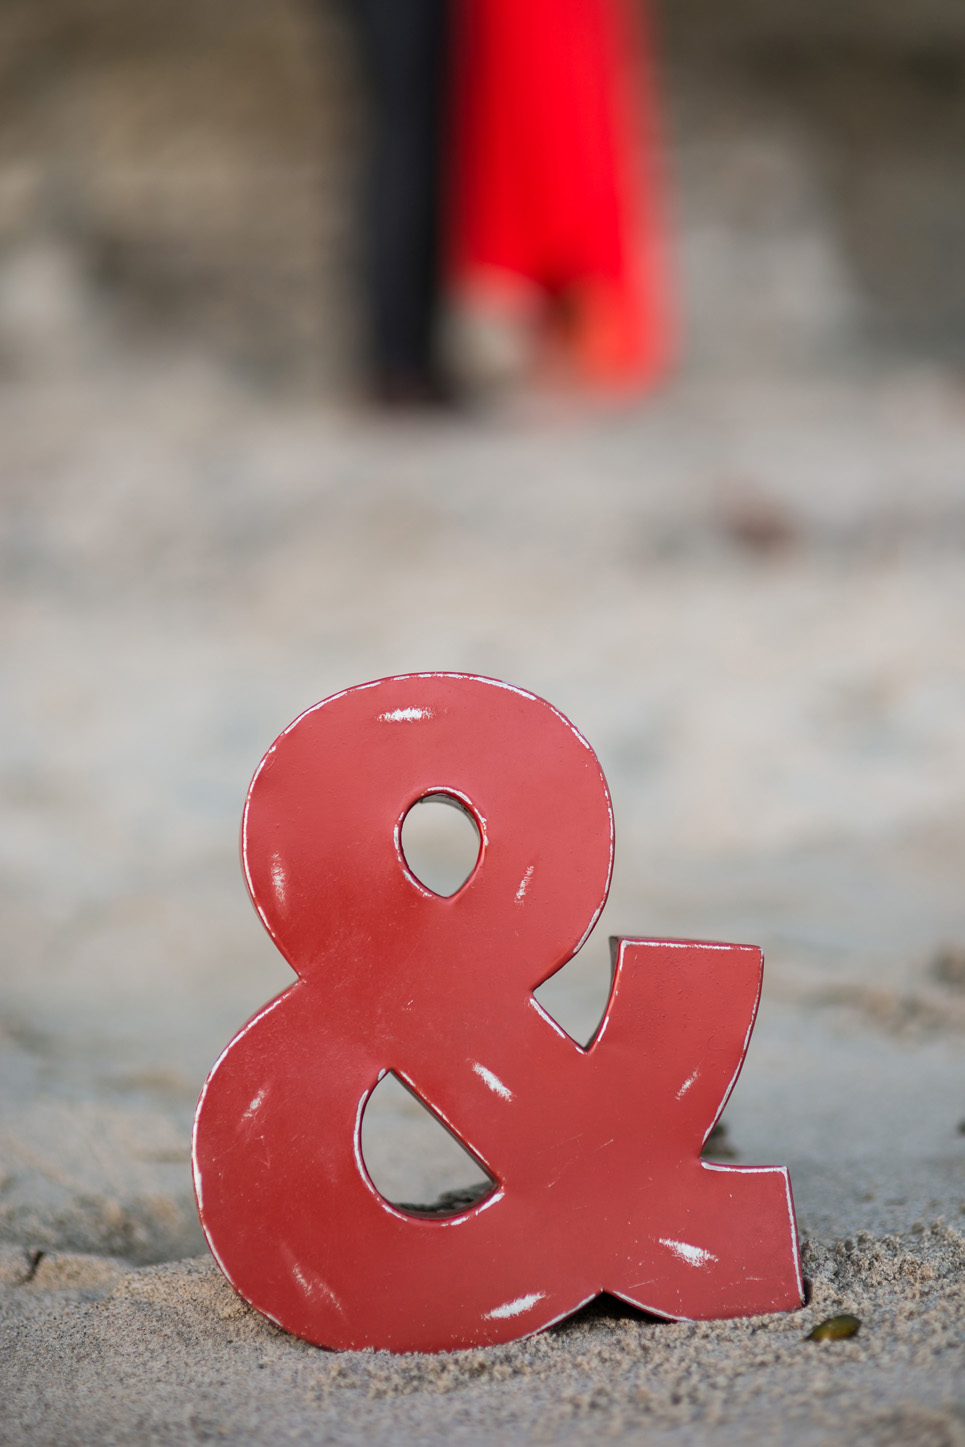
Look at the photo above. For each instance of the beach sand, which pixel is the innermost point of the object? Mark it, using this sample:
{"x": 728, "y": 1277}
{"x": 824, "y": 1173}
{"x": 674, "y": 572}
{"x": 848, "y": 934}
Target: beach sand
{"x": 749, "y": 595}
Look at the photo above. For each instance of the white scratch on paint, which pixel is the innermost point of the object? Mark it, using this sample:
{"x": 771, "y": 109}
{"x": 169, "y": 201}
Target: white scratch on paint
{"x": 279, "y": 879}
{"x": 517, "y": 1307}
{"x": 492, "y": 1080}
{"x": 311, "y": 1288}
{"x": 198, "y": 1188}
{"x": 357, "y": 1137}
{"x": 693, "y": 1255}
{"x": 255, "y": 1104}
{"x": 405, "y": 715}
{"x": 687, "y": 1084}
{"x": 524, "y": 884}
{"x": 535, "y": 1004}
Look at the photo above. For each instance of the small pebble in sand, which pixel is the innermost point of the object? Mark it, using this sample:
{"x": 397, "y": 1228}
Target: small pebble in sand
{"x": 836, "y": 1328}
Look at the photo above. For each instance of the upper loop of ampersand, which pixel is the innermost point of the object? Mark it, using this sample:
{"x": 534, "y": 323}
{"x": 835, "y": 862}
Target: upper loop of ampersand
{"x": 321, "y": 832}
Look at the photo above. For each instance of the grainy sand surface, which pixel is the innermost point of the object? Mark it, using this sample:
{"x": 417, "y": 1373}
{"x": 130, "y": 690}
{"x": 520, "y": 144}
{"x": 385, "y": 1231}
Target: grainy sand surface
{"x": 750, "y": 596}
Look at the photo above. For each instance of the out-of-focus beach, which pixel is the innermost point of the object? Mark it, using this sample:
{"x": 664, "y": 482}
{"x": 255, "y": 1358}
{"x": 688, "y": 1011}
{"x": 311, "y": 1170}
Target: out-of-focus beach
{"x": 748, "y": 593}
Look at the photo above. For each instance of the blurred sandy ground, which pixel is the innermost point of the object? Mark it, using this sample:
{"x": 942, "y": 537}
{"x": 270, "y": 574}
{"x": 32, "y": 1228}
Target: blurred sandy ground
{"x": 748, "y": 592}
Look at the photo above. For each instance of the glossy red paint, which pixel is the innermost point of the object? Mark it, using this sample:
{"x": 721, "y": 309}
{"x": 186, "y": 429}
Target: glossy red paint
{"x": 595, "y": 1151}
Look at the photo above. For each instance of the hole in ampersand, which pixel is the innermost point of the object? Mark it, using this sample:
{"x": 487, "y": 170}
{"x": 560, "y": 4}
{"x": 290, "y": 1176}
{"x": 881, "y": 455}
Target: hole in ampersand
{"x": 440, "y": 841}
{"x": 412, "y": 1159}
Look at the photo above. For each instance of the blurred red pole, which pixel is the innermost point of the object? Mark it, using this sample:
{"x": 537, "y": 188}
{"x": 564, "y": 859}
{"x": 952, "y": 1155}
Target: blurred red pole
{"x": 556, "y": 178}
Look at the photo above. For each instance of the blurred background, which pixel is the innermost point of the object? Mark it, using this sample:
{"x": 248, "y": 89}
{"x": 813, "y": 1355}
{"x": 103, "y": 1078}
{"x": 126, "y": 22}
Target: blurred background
{"x": 746, "y": 588}
{"x": 184, "y": 176}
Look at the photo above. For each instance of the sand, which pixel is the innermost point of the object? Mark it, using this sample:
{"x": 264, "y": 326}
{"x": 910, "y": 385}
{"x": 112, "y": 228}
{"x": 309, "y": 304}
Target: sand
{"x": 169, "y": 1354}
{"x": 749, "y": 595}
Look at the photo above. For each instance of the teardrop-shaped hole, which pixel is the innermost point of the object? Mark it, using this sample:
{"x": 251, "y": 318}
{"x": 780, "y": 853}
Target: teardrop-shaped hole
{"x": 412, "y": 1158}
{"x": 440, "y": 842}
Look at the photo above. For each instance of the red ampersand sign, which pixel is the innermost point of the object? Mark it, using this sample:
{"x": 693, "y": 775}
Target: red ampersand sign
{"x": 595, "y": 1151}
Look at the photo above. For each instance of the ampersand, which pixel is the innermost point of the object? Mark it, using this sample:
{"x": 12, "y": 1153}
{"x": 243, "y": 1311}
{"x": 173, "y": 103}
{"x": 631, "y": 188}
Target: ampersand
{"x": 595, "y": 1151}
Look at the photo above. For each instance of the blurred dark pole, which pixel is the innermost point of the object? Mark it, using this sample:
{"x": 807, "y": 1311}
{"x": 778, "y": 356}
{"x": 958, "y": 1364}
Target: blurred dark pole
{"x": 404, "y": 51}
